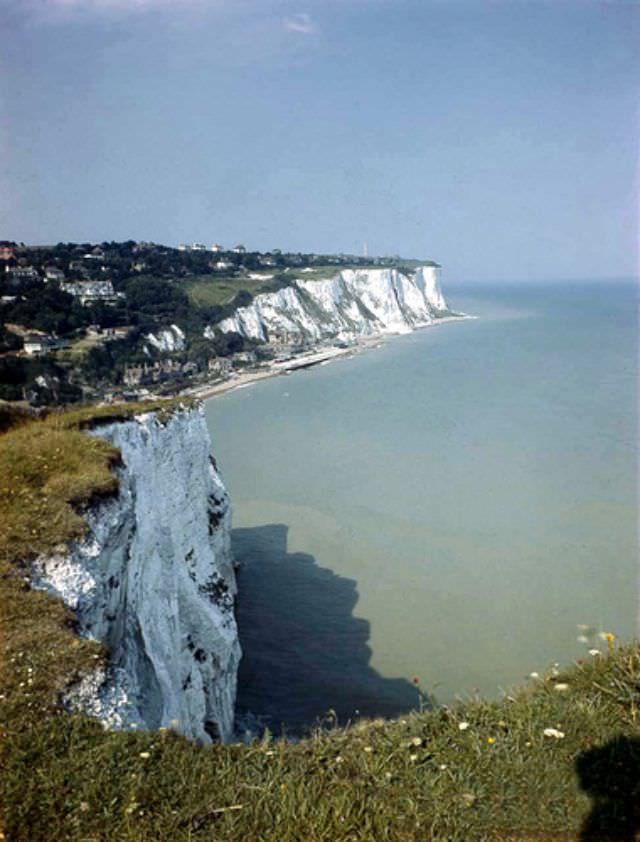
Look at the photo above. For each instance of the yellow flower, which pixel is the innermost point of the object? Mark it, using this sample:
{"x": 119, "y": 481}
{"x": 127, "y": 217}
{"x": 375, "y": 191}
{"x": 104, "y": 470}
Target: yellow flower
{"x": 283, "y": 787}
{"x": 491, "y": 740}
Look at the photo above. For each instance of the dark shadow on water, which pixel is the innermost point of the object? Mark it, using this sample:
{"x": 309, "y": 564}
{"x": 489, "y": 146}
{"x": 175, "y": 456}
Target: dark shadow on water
{"x": 610, "y": 775}
{"x": 304, "y": 653}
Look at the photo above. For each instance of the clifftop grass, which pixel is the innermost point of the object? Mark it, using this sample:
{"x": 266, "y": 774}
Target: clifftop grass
{"x": 478, "y": 770}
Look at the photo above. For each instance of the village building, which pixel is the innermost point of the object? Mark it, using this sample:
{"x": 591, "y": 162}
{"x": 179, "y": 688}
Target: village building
{"x": 36, "y": 344}
{"x": 52, "y": 273}
{"x": 19, "y": 274}
{"x": 90, "y": 292}
{"x": 219, "y": 366}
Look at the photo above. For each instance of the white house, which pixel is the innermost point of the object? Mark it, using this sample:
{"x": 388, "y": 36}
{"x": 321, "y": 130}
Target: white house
{"x": 37, "y": 343}
{"x": 52, "y": 273}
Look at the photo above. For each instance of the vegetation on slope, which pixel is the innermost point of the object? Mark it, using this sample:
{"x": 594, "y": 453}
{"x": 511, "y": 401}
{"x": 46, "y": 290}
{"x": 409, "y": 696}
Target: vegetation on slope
{"x": 555, "y": 756}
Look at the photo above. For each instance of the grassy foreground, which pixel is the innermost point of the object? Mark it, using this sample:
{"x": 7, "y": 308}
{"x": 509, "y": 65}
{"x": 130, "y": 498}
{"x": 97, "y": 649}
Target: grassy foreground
{"x": 557, "y": 756}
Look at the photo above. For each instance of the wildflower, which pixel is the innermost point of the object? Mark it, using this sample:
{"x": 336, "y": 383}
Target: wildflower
{"x": 553, "y": 732}
{"x": 416, "y": 741}
{"x": 561, "y": 687}
{"x": 594, "y": 652}
{"x": 388, "y": 775}
{"x": 283, "y": 787}
{"x": 84, "y": 806}
{"x": 582, "y": 638}
{"x": 145, "y": 755}
{"x": 368, "y": 749}
{"x": 413, "y": 757}
{"x": 491, "y": 740}
{"x": 339, "y": 759}
{"x": 269, "y": 753}
{"x": 442, "y": 767}
{"x": 608, "y": 636}
{"x": 462, "y": 726}
{"x": 534, "y": 675}
{"x": 528, "y": 744}
{"x": 468, "y": 798}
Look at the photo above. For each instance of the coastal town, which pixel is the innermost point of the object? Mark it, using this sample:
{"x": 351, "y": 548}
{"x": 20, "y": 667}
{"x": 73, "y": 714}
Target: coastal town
{"x": 122, "y": 321}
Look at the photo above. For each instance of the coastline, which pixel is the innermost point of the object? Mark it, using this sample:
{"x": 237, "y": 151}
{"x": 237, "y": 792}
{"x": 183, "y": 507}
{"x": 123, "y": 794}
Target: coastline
{"x": 307, "y": 360}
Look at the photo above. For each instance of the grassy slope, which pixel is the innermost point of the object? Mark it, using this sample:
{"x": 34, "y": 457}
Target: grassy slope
{"x": 208, "y": 291}
{"x": 64, "y": 777}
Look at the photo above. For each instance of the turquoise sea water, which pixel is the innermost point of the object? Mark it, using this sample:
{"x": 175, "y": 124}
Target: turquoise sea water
{"x": 450, "y": 506}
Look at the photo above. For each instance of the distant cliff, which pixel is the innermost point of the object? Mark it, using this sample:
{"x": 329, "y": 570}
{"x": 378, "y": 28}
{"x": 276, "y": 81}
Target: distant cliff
{"x": 153, "y": 579}
{"x": 352, "y": 304}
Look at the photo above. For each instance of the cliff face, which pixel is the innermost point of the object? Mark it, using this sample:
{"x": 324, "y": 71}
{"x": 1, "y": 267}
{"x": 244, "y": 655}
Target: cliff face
{"x": 352, "y": 304}
{"x": 153, "y": 579}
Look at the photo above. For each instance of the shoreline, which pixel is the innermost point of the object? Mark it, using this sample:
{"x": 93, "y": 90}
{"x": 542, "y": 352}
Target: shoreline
{"x": 310, "y": 359}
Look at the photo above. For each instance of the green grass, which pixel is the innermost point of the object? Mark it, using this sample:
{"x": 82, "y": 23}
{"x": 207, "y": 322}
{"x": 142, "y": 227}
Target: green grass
{"x": 209, "y": 291}
{"x": 420, "y": 777}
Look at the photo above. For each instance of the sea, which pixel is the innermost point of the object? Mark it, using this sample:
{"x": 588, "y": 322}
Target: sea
{"x": 440, "y": 516}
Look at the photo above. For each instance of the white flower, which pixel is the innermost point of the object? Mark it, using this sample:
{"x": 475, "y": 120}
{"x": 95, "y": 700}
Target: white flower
{"x": 462, "y": 726}
{"x": 416, "y": 741}
{"x": 582, "y": 638}
{"x": 442, "y": 767}
{"x": 594, "y": 652}
{"x": 553, "y": 732}
{"x": 534, "y": 675}
{"x": 561, "y": 687}
{"x": 145, "y": 755}
{"x": 368, "y": 749}
{"x": 413, "y": 757}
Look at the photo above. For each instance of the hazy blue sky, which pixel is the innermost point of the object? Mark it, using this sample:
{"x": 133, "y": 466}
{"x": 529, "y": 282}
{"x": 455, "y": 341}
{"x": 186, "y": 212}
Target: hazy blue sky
{"x": 500, "y": 138}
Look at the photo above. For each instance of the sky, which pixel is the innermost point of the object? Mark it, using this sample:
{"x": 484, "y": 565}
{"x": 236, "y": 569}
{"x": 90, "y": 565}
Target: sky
{"x": 499, "y": 138}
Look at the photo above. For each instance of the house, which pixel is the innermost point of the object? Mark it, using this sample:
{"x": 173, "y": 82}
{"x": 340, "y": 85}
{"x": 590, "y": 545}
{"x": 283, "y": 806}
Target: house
{"x": 38, "y": 343}
{"x": 89, "y": 292}
{"x": 267, "y": 260}
{"x": 239, "y": 249}
{"x": 18, "y": 274}
{"x": 222, "y": 265}
{"x": 220, "y": 366}
{"x": 216, "y": 248}
{"x": 198, "y": 247}
{"x": 52, "y": 273}
{"x": 183, "y": 247}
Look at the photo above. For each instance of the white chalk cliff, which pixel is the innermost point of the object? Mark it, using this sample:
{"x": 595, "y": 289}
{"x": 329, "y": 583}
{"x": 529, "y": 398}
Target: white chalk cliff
{"x": 153, "y": 579}
{"x": 350, "y": 305}
{"x": 170, "y": 339}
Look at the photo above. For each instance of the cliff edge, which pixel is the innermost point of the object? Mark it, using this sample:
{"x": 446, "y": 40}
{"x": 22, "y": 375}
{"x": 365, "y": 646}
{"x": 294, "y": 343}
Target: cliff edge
{"x": 153, "y": 580}
{"x": 353, "y": 304}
